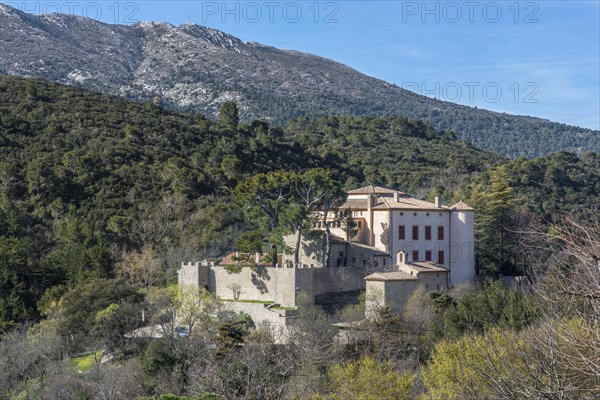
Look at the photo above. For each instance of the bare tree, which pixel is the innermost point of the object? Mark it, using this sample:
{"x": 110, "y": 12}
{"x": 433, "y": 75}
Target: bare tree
{"x": 236, "y": 290}
{"x": 142, "y": 269}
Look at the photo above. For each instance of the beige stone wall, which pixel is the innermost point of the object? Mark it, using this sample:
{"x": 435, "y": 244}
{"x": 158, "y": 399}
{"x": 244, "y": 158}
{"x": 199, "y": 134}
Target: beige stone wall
{"x": 319, "y": 281}
{"x": 433, "y": 280}
{"x": 276, "y": 320}
{"x": 397, "y": 294}
{"x": 381, "y": 229}
{"x": 277, "y": 285}
{"x": 194, "y": 274}
{"x": 374, "y": 298}
{"x": 393, "y": 294}
{"x": 256, "y": 283}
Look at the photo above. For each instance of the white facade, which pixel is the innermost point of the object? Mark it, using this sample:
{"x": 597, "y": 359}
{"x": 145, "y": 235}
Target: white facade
{"x": 393, "y": 222}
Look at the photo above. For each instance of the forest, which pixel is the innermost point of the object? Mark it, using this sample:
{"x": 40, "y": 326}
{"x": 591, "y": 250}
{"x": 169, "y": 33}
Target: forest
{"x": 101, "y": 199}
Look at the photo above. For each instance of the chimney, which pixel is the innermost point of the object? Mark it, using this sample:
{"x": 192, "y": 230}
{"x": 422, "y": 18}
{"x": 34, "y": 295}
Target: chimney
{"x": 438, "y": 203}
{"x": 372, "y": 200}
{"x": 396, "y": 196}
{"x": 400, "y": 257}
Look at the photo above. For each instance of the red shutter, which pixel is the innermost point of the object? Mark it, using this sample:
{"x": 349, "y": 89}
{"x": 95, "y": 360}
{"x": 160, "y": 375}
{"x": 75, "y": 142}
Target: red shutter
{"x": 428, "y": 255}
{"x": 427, "y": 233}
{"x": 440, "y": 233}
{"x": 415, "y": 232}
{"x": 401, "y": 233}
{"x": 415, "y": 255}
{"x": 440, "y": 257}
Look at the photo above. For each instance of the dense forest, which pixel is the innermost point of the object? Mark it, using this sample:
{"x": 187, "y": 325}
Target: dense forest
{"x": 102, "y": 198}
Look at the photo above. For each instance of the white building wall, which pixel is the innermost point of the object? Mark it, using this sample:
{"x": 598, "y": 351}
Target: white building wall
{"x": 462, "y": 255}
{"x": 381, "y": 230}
{"x": 421, "y": 219}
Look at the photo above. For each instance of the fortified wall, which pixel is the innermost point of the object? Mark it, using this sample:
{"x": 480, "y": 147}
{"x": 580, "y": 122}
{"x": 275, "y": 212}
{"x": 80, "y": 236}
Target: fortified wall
{"x": 278, "y": 285}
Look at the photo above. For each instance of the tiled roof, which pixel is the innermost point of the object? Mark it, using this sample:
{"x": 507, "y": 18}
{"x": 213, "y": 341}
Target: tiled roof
{"x": 426, "y": 266}
{"x": 385, "y": 203}
{"x": 370, "y": 189}
{"x": 460, "y": 206}
{"x": 391, "y": 276}
{"x": 375, "y": 250}
{"x": 355, "y": 204}
{"x": 405, "y": 202}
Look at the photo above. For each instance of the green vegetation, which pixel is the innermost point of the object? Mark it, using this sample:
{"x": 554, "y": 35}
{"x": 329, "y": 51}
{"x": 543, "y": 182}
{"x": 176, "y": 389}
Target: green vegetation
{"x": 84, "y": 362}
{"x": 101, "y": 199}
{"x": 248, "y": 301}
{"x": 86, "y": 178}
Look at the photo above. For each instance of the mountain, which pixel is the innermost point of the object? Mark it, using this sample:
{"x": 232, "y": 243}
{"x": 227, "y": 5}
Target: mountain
{"x": 193, "y": 68}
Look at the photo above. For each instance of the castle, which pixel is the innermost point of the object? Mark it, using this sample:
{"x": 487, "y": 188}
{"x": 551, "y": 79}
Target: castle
{"x": 381, "y": 240}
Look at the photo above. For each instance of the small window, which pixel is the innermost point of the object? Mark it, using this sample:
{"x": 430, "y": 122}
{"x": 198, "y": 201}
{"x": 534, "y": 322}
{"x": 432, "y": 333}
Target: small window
{"x": 440, "y": 257}
{"x": 384, "y": 261}
{"x": 401, "y": 232}
{"x": 415, "y": 255}
{"x": 440, "y": 233}
{"x": 428, "y": 255}
{"x": 341, "y": 254}
{"x": 415, "y": 232}
{"x": 437, "y": 286}
{"x": 427, "y": 233}
{"x": 414, "y": 214}
{"x": 427, "y": 214}
{"x": 359, "y": 224}
{"x": 401, "y": 214}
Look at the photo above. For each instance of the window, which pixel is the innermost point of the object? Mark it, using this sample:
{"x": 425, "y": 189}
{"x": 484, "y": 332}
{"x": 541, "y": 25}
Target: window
{"x": 428, "y": 255}
{"x": 359, "y": 224}
{"x": 341, "y": 254}
{"x": 440, "y": 257}
{"x": 427, "y": 233}
{"x": 401, "y": 232}
{"x": 437, "y": 286}
{"x": 415, "y": 232}
{"x": 416, "y": 255}
{"x": 440, "y": 233}
{"x": 384, "y": 261}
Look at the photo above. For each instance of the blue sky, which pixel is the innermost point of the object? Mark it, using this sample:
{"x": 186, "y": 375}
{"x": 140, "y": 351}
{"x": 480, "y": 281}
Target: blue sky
{"x": 539, "y": 58}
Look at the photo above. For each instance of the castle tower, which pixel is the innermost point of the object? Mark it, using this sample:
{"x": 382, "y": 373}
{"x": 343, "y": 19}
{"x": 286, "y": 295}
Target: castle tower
{"x": 462, "y": 244}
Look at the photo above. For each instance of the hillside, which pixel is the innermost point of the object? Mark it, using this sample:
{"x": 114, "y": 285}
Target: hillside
{"x": 85, "y": 176}
{"x": 193, "y": 68}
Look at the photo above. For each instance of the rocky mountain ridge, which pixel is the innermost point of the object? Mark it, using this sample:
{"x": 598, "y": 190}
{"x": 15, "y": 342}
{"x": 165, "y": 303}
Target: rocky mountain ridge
{"x": 194, "y": 68}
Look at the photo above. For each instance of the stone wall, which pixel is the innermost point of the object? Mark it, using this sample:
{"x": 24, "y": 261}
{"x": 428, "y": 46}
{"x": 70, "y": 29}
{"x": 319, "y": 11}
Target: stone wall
{"x": 433, "y": 280}
{"x": 278, "y": 285}
{"x": 393, "y": 294}
{"x": 194, "y": 274}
